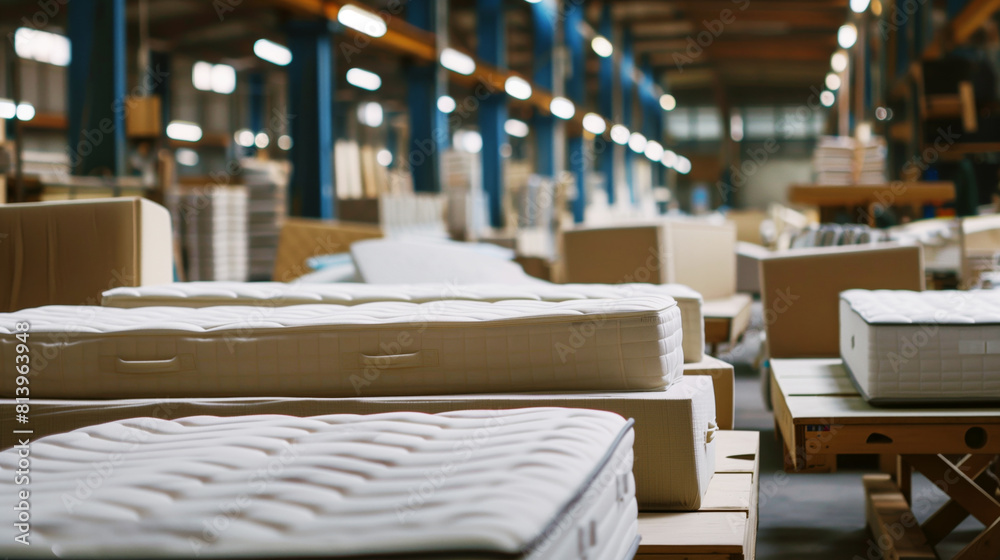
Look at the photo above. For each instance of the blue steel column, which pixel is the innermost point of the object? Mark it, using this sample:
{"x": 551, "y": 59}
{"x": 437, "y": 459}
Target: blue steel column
{"x": 255, "y": 105}
{"x": 428, "y": 126}
{"x": 606, "y": 102}
{"x": 628, "y": 68}
{"x": 543, "y": 16}
{"x": 161, "y": 65}
{"x": 650, "y": 115}
{"x": 575, "y": 92}
{"x": 96, "y": 86}
{"x": 493, "y": 109}
{"x": 310, "y": 112}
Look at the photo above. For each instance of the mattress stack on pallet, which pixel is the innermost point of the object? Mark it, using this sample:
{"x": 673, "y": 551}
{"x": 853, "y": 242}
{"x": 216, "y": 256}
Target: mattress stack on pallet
{"x": 843, "y": 160}
{"x": 267, "y": 194}
{"x": 462, "y": 179}
{"x": 213, "y": 229}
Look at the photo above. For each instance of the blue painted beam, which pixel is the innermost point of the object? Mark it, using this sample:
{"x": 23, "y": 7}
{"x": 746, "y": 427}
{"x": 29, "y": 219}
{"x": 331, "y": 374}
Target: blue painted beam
{"x": 492, "y": 49}
{"x": 429, "y": 132}
{"x": 310, "y": 111}
{"x": 575, "y": 91}
{"x": 543, "y": 17}
{"x": 160, "y": 63}
{"x": 606, "y": 103}
{"x": 628, "y": 92}
{"x": 652, "y": 115}
{"x": 96, "y": 87}
{"x": 255, "y": 105}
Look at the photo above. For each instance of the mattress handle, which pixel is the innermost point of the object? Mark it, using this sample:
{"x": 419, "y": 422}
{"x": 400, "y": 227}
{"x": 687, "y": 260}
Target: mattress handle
{"x": 713, "y": 427}
{"x": 171, "y": 365}
{"x": 412, "y": 359}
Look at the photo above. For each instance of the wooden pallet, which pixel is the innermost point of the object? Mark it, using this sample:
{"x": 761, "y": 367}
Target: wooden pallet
{"x": 820, "y": 415}
{"x": 726, "y": 319}
{"x": 725, "y": 528}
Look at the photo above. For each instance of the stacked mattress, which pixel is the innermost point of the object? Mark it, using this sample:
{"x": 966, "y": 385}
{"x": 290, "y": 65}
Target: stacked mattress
{"x": 272, "y": 294}
{"x": 674, "y": 439}
{"x": 933, "y": 347}
{"x": 519, "y": 484}
{"x": 377, "y": 348}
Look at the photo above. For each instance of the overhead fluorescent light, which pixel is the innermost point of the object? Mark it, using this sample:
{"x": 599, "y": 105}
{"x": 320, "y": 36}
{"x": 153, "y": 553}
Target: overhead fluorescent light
{"x": 654, "y": 150}
{"x": 517, "y": 87}
{"x": 602, "y": 46}
{"x": 683, "y": 165}
{"x": 832, "y": 82}
{"x": 285, "y": 142}
{"x": 272, "y": 52}
{"x": 458, "y": 62}
{"x": 184, "y": 131}
{"x": 619, "y": 134}
{"x": 594, "y": 123}
{"x": 562, "y": 108}
{"x": 668, "y": 102}
{"x": 220, "y": 78}
{"x": 669, "y": 159}
{"x": 838, "y": 62}
{"x": 370, "y": 114}
{"x": 364, "y": 79}
{"x": 362, "y": 20}
{"x": 446, "y": 104}
{"x": 261, "y": 140}
{"x": 186, "y": 157}
{"x": 468, "y": 141}
{"x": 384, "y": 157}
{"x": 244, "y": 137}
{"x": 827, "y": 98}
{"x": 42, "y": 46}
{"x": 516, "y": 128}
{"x": 637, "y": 142}
{"x": 736, "y": 127}
{"x": 859, "y": 6}
{"x": 25, "y": 111}
{"x": 8, "y": 109}
{"x": 847, "y": 35}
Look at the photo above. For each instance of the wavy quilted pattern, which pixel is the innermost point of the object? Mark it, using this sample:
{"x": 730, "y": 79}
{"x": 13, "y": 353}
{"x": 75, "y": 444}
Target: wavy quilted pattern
{"x": 338, "y": 486}
{"x": 922, "y": 346}
{"x": 204, "y": 294}
{"x": 945, "y": 307}
{"x": 369, "y": 349}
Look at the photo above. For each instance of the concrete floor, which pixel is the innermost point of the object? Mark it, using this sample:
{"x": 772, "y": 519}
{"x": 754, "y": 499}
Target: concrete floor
{"x": 815, "y": 516}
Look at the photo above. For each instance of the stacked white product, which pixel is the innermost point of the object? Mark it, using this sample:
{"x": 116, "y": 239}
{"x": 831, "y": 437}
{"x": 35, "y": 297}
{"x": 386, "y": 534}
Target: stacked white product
{"x": 833, "y": 160}
{"x": 270, "y": 294}
{"x": 378, "y": 348}
{"x": 931, "y": 347}
{"x": 267, "y": 186}
{"x": 213, "y": 222}
{"x": 872, "y": 161}
{"x": 521, "y": 484}
{"x": 462, "y": 177}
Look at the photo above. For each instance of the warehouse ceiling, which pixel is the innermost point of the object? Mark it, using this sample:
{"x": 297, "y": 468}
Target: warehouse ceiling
{"x": 739, "y": 51}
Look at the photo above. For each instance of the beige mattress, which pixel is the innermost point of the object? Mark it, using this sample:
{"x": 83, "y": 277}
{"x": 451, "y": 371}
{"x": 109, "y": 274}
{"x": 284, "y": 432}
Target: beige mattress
{"x": 371, "y": 349}
{"x": 523, "y": 484}
{"x": 675, "y": 429}
{"x": 206, "y": 294}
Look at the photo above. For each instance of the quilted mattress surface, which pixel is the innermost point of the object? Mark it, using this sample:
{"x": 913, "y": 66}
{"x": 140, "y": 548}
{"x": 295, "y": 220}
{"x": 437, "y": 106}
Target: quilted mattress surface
{"x": 933, "y": 346}
{"x": 370, "y": 349}
{"x": 205, "y": 294}
{"x": 529, "y": 483}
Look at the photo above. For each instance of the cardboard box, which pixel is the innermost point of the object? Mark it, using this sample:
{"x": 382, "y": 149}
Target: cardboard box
{"x": 303, "y": 238}
{"x": 70, "y": 252}
{"x": 143, "y": 117}
{"x": 800, "y": 291}
{"x": 724, "y": 382}
{"x": 696, "y": 253}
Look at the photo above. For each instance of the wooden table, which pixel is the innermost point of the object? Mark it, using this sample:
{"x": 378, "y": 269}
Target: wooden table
{"x": 898, "y": 193}
{"x": 820, "y": 415}
{"x": 726, "y": 319}
{"x": 725, "y": 528}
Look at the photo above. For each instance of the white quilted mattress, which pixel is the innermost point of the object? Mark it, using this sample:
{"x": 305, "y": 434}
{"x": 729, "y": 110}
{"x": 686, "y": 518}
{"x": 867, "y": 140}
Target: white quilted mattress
{"x": 370, "y": 349}
{"x": 205, "y": 294}
{"x": 935, "y": 346}
{"x": 674, "y": 441}
{"x": 530, "y": 483}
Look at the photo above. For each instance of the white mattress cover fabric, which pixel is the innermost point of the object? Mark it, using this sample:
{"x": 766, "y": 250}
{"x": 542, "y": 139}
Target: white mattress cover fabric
{"x": 205, "y": 294}
{"x": 922, "y": 346}
{"x": 379, "y": 348}
{"x": 674, "y": 442}
{"x": 529, "y": 483}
